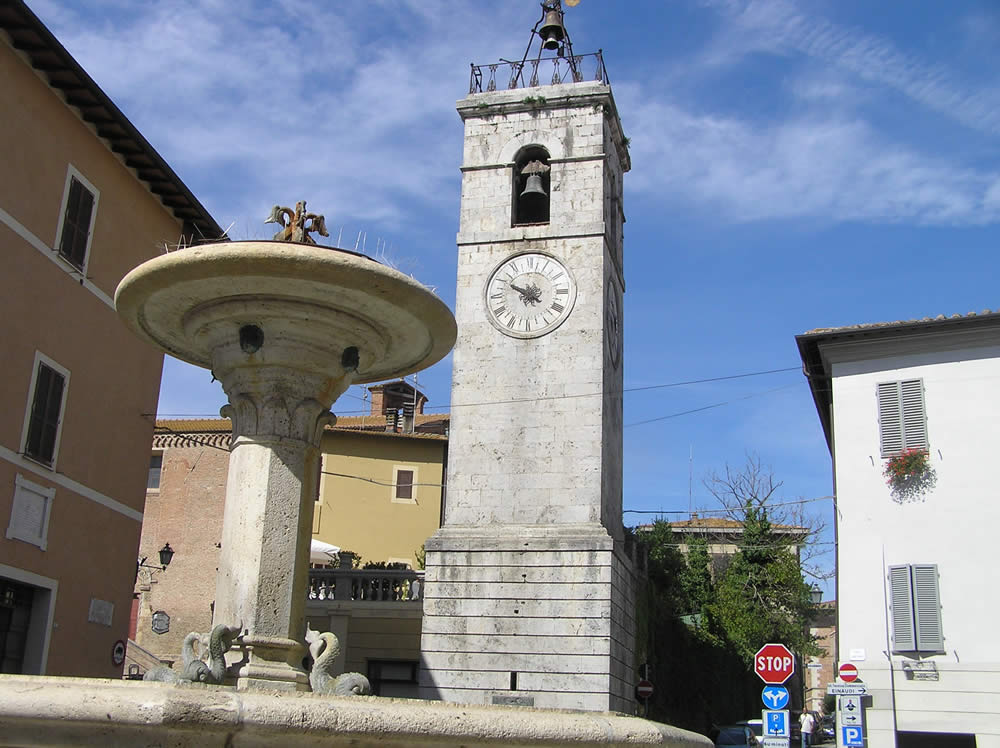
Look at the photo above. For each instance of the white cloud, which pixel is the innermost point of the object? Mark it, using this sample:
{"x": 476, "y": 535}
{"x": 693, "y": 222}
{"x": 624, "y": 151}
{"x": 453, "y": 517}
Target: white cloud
{"x": 782, "y": 27}
{"x": 808, "y": 166}
{"x": 348, "y": 105}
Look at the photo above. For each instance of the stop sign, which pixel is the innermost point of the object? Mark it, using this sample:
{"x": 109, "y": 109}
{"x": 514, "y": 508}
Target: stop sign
{"x": 848, "y": 672}
{"x": 774, "y": 663}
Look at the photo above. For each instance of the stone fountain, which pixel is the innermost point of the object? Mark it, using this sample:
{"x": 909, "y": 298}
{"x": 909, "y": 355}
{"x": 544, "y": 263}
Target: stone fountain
{"x": 286, "y": 327}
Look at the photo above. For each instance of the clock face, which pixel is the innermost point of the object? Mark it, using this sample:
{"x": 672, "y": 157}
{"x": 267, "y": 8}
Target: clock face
{"x": 612, "y": 325}
{"x": 529, "y": 294}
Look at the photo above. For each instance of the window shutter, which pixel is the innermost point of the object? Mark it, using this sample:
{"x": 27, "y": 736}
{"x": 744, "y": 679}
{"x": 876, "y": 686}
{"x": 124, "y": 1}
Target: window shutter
{"x": 901, "y": 609}
{"x": 404, "y": 484}
{"x": 45, "y": 412}
{"x": 890, "y": 418}
{"x": 902, "y": 419}
{"x": 914, "y": 419}
{"x": 927, "y": 608}
{"x": 76, "y": 223}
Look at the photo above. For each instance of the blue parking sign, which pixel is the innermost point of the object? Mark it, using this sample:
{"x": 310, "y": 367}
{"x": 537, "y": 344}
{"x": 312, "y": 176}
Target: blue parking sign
{"x": 776, "y": 724}
{"x": 852, "y": 737}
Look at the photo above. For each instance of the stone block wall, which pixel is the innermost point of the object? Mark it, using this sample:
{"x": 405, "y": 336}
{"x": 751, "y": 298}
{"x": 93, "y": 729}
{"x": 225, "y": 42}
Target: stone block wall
{"x": 521, "y": 616}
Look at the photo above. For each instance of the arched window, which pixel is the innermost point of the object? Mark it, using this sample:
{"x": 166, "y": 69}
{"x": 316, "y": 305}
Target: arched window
{"x": 531, "y": 187}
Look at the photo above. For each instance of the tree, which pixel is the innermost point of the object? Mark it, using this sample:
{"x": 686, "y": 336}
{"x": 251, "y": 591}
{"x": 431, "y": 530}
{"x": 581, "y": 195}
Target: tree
{"x": 700, "y": 679}
{"x": 755, "y": 485}
{"x": 762, "y": 596}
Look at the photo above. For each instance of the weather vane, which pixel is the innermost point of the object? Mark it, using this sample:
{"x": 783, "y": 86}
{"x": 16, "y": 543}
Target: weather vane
{"x": 294, "y": 227}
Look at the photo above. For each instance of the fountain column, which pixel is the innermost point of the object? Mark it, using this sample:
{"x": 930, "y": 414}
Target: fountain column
{"x": 263, "y": 570}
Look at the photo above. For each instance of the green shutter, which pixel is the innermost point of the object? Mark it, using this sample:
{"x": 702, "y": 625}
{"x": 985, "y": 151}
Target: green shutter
{"x": 902, "y": 420}
{"x": 914, "y": 418}
{"x": 927, "y": 608}
{"x": 890, "y": 419}
{"x": 76, "y": 223}
{"x": 904, "y": 637}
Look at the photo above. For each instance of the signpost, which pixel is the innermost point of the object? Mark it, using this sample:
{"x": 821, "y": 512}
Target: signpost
{"x": 847, "y": 689}
{"x": 774, "y": 663}
{"x": 853, "y": 737}
{"x": 774, "y": 697}
{"x": 776, "y": 723}
{"x": 848, "y": 672}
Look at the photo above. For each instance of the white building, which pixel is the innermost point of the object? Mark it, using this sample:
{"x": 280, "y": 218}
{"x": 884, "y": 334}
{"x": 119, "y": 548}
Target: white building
{"x": 917, "y": 605}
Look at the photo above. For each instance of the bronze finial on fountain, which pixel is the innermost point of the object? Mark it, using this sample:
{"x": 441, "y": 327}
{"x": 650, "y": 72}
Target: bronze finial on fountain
{"x": 296, "y": 229}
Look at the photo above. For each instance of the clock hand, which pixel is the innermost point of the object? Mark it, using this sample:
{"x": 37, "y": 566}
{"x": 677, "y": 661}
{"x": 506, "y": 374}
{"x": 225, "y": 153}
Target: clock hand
{"x": 528, "y": 295}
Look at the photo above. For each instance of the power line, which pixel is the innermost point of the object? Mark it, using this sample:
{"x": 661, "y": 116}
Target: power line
{"x": 707, "y": 407}
{"x": 767, "y": 505}
{"x": 626, "y": 390}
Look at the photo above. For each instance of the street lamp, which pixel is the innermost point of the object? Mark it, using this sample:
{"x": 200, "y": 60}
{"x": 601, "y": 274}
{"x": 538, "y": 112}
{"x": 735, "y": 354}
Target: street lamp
{"x": 815, "y": 594}
{"x": 166, "y": 554}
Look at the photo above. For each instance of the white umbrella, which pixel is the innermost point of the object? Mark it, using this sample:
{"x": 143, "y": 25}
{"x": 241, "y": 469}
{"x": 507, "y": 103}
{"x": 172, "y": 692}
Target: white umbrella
{"x": 322, "y": 553}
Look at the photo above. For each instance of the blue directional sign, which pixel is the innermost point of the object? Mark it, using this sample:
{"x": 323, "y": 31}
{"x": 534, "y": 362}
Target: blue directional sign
{"x": 775, "y": 697}
{"x": 853, "y": 738}
{"x": 776, "y": 724}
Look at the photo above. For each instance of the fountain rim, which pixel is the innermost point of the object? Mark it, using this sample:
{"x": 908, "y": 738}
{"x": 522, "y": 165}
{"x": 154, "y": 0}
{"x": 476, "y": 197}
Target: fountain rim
{"x": 172, "y": 278}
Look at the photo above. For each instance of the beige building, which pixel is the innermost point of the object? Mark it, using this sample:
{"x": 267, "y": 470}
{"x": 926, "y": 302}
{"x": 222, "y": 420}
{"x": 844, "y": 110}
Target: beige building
{"x": 380, "y": 496}
{"x": 83, "y": 199}
{"x": 723, "y": 537}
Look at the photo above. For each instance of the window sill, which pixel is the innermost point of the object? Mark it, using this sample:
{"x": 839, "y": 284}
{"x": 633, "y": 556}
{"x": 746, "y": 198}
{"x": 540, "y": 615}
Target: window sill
{"x": 50, "y": 466}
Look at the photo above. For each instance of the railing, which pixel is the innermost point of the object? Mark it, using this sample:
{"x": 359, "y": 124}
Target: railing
{"x": 366, "y": 585}
{"x": 540, "y": 72}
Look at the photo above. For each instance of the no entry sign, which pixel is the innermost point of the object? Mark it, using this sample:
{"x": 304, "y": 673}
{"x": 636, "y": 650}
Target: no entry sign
{"x": 644, "y": 690}
{"x": 848, "y": 672}
{"x": 774, "y": 663}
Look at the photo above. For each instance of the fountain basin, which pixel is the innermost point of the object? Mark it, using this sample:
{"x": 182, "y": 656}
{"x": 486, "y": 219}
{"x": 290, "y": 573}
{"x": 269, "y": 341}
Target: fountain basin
{"x": 82, "y": 711}
{"x": 310, "y": 302}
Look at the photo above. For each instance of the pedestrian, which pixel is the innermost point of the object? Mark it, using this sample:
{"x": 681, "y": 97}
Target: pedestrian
{"x": 806, "y": 725}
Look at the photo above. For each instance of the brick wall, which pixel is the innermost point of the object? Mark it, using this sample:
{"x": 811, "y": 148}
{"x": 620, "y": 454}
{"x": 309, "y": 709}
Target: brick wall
{"x": 187, "y": 513}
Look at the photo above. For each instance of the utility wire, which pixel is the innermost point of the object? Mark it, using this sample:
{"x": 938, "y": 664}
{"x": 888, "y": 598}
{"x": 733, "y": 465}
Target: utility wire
{"x": 767, "y": 505}
{"x": 553, "y": 397}
{"x": 707, "y": 407}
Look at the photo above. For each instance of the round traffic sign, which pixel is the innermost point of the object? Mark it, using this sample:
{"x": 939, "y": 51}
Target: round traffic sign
{"x": 774, "y": 663}
{"x": 644, "y": 689}
{"x": 848, "y": 672}
{"x": 118, "y": 653}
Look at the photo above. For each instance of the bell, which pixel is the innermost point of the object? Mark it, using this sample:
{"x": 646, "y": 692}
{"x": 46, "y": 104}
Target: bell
{"x": 552, "y": 31}
{"x": 533, "y": 186}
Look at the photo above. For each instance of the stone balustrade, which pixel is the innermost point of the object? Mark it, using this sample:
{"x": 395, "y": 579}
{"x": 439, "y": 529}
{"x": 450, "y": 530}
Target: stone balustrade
{"x": 366, "y": 585}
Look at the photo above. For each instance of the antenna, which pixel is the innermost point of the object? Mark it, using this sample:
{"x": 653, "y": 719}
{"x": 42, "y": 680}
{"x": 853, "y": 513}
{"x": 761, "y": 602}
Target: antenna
{"x": 690, "y": 467}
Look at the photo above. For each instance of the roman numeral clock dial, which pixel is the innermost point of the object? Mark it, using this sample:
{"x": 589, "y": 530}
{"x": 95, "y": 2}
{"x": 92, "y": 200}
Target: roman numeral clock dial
{"x": 529, "y": 294}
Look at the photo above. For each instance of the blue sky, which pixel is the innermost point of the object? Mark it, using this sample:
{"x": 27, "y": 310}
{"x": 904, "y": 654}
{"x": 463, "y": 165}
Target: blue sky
{"x": 795, "y": 165}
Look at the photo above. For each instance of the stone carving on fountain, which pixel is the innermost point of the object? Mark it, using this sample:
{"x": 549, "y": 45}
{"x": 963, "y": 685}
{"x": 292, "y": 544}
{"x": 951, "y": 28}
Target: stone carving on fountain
{"x": 304, "y": 421}
{"x": 293, "y": 223}
{"x": 325, "y": 649}
{"x": 213, "y": 645}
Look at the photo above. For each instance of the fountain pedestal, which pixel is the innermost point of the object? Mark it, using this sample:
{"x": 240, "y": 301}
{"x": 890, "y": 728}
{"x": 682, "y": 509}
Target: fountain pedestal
{"x": 286, "y": 328}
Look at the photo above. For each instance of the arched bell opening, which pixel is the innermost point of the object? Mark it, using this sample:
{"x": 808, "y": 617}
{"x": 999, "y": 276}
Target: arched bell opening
{"x": 531, "y": 186}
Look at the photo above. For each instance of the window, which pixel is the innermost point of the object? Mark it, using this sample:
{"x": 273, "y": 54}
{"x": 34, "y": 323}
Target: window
{"x": 402, "y": 482}
{"x": 901, "y": 417}
{"x": 393, "y": 678}
{"x": 915, "y": 607}
{"x": 44, "y": 417}
{"x": 29, "y": 514}
{"x": 76, "y": 221}
{"x": 531, "y": 187}
{"x": 155, "y": 466}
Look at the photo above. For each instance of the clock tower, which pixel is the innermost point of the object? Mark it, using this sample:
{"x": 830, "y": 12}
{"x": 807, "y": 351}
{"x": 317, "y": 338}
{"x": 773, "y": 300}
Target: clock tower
{"x": 530, "y": 582}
